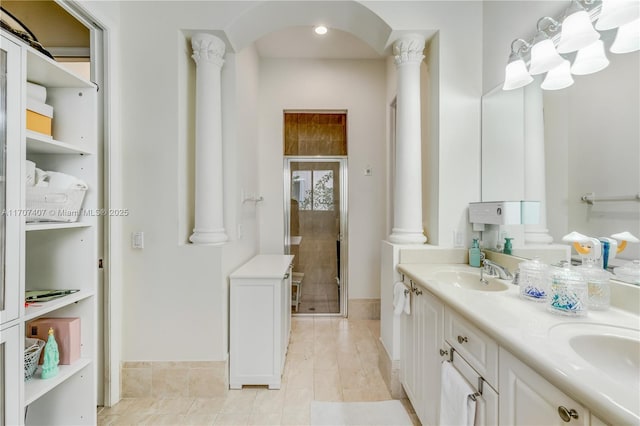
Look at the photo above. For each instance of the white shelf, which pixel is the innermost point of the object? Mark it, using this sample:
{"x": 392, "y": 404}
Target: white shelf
{"x": 41, "y": 308}
{"x": 44, "y": 226}
{"x": 38, "y": 143}
{"x": 47, "y": 72}
{"x": 36, "y": 387}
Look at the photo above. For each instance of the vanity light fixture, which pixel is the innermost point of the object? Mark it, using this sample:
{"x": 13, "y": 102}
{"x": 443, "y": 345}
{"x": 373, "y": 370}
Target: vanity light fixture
{"x": 590, "y": 59}
{"x": 321, "y": 30}
{"x": 627, "y": 38}
{"x": 516, "y": 74}
{"x": 615, "y": 13}
{"x": 558, "y": 78}
{"x": 544, "y": 56}
{"x": 577, "y": 29}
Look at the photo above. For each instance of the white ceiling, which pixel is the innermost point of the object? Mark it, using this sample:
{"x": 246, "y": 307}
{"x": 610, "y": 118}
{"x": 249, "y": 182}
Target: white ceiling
{"x": 303, "y": 42}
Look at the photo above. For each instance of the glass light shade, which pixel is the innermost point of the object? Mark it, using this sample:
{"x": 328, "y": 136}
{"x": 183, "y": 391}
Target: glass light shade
{"x": 516, "y": 74}
{"x": 558, "y": 78}
{"x": 590, "y": 59}
{"x": 544, "y": 56}
{"x": 628, "y": 38}
{"x": 615, "y": 13}
{"x": 577, "y": 32}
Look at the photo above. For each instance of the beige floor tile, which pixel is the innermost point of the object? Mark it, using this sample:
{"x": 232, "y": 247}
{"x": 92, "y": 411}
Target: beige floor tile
{"x": 349, "y": 361}
{"x": 327, "y": 393}
{"x": 299, "y": 379}
{"x": 295, "y": 417}
{"x": 172, "y": 405}
{"x": 199, "y": 419}
{"x": 232, "y": 419}
{"x": 124, "y": 419}
{"x": 265, "y": 419}
{"x": 121, "y": 407}
{"x": 326, "y": 378}
{"x": 325, "y": 362}
{"x": 353, "y": 378}
{"x": 269, "y": 401}
{"x": 206, "y": 406}
{"x": 239, "y": 401}
{"x": 298, "y": 399}
{"x": 165, "y": 419}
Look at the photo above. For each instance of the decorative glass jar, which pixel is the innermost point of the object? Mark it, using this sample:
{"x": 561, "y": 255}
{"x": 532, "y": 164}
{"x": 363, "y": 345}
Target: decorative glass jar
{"x": 597, "y": 285}
{"x": 533, "y": 280}
{"x": 568, "y": 294}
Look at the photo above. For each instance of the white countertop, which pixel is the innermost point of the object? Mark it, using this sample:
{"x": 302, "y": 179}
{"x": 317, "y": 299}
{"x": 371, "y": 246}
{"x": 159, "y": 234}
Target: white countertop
{"x": 264, "y": 266}
{"x": 522, "y": 327}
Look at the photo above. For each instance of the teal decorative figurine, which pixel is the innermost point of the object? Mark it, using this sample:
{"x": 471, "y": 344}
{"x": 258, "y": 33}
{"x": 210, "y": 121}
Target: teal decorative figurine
{"x": 51, "y": 357}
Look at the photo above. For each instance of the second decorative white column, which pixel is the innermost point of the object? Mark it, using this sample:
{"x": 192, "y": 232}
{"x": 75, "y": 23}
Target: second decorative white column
{"x": 534, "y": 163}
{"x": 208, "y": 53}
{"x": 407, "y": 189}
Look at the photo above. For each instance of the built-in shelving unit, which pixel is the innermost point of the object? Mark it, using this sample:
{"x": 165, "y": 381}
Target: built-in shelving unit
{"x": 54, "y": 255}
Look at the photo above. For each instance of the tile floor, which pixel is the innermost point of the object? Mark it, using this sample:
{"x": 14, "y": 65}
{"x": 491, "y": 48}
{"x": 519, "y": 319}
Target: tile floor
{"x": 329, "y": 359}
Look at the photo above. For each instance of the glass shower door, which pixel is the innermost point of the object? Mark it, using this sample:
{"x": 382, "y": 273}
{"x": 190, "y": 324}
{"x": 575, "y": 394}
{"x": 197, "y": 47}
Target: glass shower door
{"x": 315, "y": 229}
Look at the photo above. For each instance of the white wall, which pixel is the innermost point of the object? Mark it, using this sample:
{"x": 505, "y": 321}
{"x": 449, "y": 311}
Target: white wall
{"x": 172, "y": 291}
{"x": 455, "y": 67}
{"x": 359, "y": 87}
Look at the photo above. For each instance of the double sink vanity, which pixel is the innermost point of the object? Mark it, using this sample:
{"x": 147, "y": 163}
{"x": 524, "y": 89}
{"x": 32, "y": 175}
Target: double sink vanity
{"x": 529, "y": 365}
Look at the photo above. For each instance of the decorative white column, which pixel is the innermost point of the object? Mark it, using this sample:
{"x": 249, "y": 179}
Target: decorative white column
{"x": 534, "y": 163}
{"x": 208, "y": 52}
{"x": 407, "y": 190}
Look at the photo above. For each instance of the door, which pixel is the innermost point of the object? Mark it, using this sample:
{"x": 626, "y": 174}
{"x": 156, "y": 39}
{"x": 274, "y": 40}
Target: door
{"x": 315, "y": 228}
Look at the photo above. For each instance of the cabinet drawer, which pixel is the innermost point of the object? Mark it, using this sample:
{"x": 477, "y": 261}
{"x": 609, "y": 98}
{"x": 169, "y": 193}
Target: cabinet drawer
{"x": 475, "y": 346}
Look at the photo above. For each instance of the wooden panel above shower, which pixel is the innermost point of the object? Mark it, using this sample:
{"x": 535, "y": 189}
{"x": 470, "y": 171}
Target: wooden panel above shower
{"x": 315, "y": 133}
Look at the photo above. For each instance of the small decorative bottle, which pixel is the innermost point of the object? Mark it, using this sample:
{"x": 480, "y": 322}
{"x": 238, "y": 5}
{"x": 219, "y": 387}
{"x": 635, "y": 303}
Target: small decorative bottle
{"x": 51, "y": 357}
{"x": 507, "y": 246}
{"x": 474, "y": 254}
{"x": 597, "y": 284}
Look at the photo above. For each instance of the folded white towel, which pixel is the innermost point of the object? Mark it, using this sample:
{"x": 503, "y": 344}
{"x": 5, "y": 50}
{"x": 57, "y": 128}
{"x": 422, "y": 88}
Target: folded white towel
{"x": 64, "y": 181}
{"x": 42, "y": 178}
{"x": 401, "y": 299}
{"x": 36, "y": 92}
{"x": 30, "y": 172}
{"x": 457, "y": 408}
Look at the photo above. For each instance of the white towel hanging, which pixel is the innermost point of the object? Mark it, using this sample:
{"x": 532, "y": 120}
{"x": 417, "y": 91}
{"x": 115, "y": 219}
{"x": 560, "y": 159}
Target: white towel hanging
{"x": 401, "y": 299}
{"x": 457, "y": 398}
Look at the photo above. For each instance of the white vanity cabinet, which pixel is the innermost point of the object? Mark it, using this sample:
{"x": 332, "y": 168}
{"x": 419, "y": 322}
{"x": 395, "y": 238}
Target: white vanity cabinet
{"x": 526, "y": 398}
{"x": 260, "y": 321}
{"x": 420, "y": 357}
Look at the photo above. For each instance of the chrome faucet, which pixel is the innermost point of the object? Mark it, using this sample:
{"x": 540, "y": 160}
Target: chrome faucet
{"x": 494, "y": 269}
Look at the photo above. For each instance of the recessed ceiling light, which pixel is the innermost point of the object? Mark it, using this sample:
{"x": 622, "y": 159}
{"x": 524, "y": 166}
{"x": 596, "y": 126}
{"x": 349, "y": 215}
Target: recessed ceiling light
{"x": 320, "y": 30}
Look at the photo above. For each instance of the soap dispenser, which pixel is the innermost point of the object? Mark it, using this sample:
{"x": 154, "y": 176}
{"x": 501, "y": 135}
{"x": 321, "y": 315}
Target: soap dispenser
{"x": 507, "y": 246}
{"x": 474, "y": 254}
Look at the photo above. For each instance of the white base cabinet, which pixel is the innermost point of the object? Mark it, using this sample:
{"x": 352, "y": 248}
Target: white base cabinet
{"x": 420, "y": 358}
{"x": 260, "y": 321}
{"x": 526, "y": 398}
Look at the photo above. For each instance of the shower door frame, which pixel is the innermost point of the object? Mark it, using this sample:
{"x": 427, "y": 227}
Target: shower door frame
{"x": 343, "y": 214}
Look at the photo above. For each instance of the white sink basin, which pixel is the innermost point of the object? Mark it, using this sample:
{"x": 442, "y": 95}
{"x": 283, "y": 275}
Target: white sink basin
{"x": 469, "y": 281}
{"x": 614, "y": 351}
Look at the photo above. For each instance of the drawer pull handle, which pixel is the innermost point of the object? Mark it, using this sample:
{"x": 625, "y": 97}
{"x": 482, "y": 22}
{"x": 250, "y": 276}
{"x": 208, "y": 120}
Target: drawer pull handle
{"x": 566, "y": 415}
{"x": 286, "y": 275}
{"x": 462, "y": 339}
{"x": 443, "y": 352}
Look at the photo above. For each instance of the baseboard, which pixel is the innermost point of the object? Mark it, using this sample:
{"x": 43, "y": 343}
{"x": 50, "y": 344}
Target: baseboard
{"x": 390, "y": 371}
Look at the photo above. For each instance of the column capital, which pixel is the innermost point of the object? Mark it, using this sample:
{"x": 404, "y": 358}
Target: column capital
{"x": 408, "y": 49}
{"x": 208, "y": 48}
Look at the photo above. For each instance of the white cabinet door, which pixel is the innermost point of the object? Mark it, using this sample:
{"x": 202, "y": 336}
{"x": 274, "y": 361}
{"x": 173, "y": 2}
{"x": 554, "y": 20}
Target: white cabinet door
{"x": 11, "y": 221}
{"x": 11, "y": 376}
{"x": 528, "y": 399}
{"x": 422, "y": 340}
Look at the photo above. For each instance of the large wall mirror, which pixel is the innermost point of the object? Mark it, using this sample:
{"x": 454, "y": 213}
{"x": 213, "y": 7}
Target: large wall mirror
{"x": 591, "y": 145}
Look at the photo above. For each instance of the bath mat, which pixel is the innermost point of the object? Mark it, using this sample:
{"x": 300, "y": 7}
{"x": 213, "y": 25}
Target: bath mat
{"x": 383, "y": 413}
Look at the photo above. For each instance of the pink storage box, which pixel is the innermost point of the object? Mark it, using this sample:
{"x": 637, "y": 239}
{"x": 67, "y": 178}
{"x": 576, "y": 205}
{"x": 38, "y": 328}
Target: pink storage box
{"x": 67, "y": 334}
